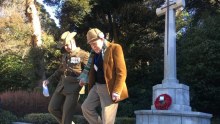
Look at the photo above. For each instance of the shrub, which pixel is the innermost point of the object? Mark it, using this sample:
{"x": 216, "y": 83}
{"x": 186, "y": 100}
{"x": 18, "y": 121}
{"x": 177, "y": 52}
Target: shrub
{"x": 21, "y": 103}
{"x": 215, "y": 120}
{"x": 79, "y": 119}
{"x": 14, "y": 73}
{"x": 125, "y": 120}
{"x": 46, "y": 118}
{"x": 6, "y": 117}
{"x": 40, "y": 118}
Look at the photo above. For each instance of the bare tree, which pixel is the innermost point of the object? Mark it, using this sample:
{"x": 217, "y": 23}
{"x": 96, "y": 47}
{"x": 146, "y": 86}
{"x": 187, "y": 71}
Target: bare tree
{"x": 32, "y": 14}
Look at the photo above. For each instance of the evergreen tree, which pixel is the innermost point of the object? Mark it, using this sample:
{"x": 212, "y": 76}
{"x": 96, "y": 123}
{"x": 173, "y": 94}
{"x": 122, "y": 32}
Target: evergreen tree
{"x": 199, "y": 62}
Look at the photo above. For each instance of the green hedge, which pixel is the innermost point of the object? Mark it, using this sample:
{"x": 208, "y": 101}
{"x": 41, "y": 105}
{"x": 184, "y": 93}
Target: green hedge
{"x": 40, "y": 118}
{"x": 215, "y": 120}
{"x": 6, "y": 117}
{"x": 46, "y": 118}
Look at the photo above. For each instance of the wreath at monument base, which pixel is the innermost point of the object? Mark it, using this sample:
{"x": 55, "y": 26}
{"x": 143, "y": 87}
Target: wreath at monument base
{"x": 163, "y": 102}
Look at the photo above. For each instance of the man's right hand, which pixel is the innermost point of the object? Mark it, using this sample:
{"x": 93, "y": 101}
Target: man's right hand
{"x": 45, "y": 82}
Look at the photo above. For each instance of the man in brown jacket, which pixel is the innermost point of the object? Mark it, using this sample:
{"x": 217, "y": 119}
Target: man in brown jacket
{"x": 64, "y": 101}
{"x": 107, "y": 77}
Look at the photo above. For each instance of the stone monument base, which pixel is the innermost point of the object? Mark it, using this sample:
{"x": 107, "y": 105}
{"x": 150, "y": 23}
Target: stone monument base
{"x": 171, "y": 117}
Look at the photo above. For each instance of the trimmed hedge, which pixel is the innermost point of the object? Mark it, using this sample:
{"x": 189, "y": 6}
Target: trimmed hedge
{"x": 40, "y": 118}
{"x": 46, "y": 118}
{"x": 6, "y": 117}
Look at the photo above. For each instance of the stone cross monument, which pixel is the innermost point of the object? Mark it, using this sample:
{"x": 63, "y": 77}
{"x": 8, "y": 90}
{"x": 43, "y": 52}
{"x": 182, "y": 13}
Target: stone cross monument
{"x": 170, "y": 85}
{"x": 170, "y": 101}
{"x": 170, "y": 39}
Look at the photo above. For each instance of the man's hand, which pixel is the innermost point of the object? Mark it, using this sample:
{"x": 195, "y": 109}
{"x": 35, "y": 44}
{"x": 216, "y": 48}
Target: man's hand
{"x": 45, "y": 82}
{"x": 81, "y": 83}
{"x": 115, "y": 97}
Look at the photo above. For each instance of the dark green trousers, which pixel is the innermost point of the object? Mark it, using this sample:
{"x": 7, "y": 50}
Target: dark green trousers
{"x": 64, "y": 105}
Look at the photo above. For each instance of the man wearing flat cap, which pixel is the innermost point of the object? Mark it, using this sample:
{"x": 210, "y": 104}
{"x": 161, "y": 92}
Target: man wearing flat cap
{"x": 64, "y": 102}
{"x": 106, "y": 73}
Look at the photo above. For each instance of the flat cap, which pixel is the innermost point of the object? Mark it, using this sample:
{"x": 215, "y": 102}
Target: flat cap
{"x": 94, "y": 34}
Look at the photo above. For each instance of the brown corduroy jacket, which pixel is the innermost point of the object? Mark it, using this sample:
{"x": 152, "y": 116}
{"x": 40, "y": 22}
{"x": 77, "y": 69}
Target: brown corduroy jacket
{"x": 115, "y": 71}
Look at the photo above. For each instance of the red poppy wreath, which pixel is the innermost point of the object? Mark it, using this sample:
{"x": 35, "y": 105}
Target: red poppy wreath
{"x": 163, "y": 102}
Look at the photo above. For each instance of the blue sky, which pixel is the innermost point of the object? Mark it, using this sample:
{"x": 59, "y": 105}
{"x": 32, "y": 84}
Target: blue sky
{"x": 51, "y": 11}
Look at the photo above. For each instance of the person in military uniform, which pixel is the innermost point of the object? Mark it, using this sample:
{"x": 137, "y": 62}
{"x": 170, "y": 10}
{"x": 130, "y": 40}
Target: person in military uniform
{"x": 64, "y": 101}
